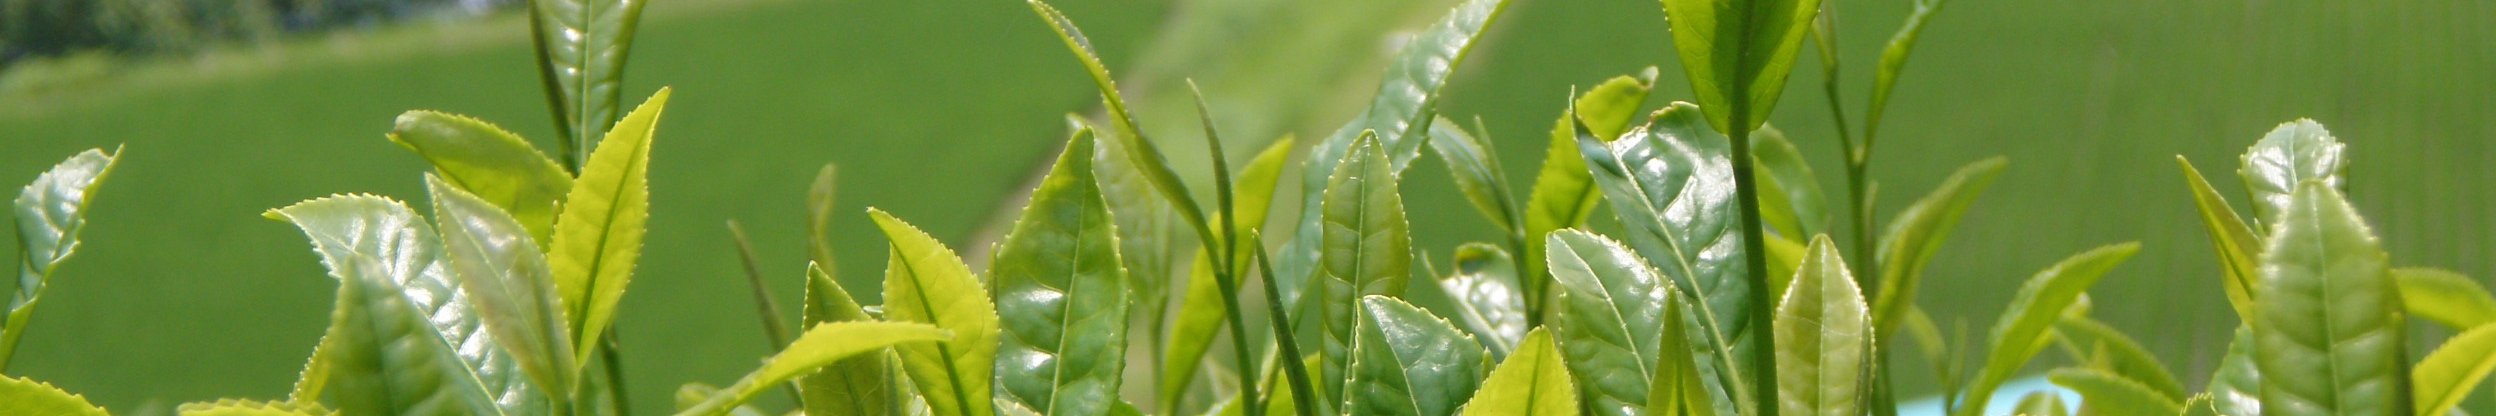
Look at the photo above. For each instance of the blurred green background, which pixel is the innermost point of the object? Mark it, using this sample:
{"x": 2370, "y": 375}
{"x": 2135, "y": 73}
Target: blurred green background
{"x": 941, "y": 112}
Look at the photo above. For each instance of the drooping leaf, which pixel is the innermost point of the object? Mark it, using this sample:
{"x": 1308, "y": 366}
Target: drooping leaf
{"x": 598, "y": 236}
{"x": 237, "y": 407}
{"x": 1368, "y": 251}
{"x": 2290, "y": 155}
{"x": 2120, "y": 355}
{"x": 581, "y": 50}
{"x": 1141, "y": 154}
{"x": 820, "y": 346}
{"x": 1790, "y": 200}
{"x": 1917, "y": 233}
{"x": 926, "y": 283}
{"x": 1671, "y": 185}
{"x": 1612, "y": 313}
{"x": 2041, "y": 403}
{"x": 1824, "y": 338}
{"x": 2445, "y": 297}
{"x": 1564, "y": 193}
{"x": 28, "y": 397}
{"x": 860, "y": 385}
{"x": 1062, "y": 294}
{"x": 1531, "y": 382}
{"x": 1475, "y": 165}
{"x": 2106, "y": 393}
{"x": 50, "y": 213}
{"x": 1737, "y": 53}
{"x": 1409, "y": 362}
{"x": 1894, "y": 61}
{"x": 819, "y": 217}
{"x": 2236, "y": 387}
{"x": 506, "y": 281}
{"x": 1487, "y": 301}
{"x": 2329, "y": 338}
{"x": 2235, "y": 243}
{"x": 2022, "y": 330}
{"x": 496, "y": 165}
{"x": 2449, "y": 374}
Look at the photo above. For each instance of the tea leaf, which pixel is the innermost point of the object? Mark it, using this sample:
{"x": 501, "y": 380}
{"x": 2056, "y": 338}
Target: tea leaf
{"x": 598, "y": 236}
{"x": 1485, "y": 289}
{"x": 1409, "y": 362}
{"x": 2120, "y": 355}
{"x": 506, "y": 281}
{"x": 581, "y": 49}
{"x": 1140, "y": 151}
{"x": 2290, "y": 155}
{"x": 1475, "y": 165}
{"x": 1062, "y": 294}
{"x": 1200, "y": 309}
{"x": 1676, "y": 388}
{"x": 1612, "y": 314}
{"x": 1917, "y": 233}
{"x": 2107, "y": 393}
{"x": 2329, "y": 338}
{"x": 390, "y": 360}
{"x": 2445, "y": 297}
{"x": 2448, "y": 375}
{"x": 2237, "y": 245}
{"x": 28, "y": 397}
{"x": 50, "y": 213}
{"x": 1146, "y": 225}
{"x": 823, "y": 345}
{"x": 1671, "y": 185}
{"x": 234, "y": 407}
{"x": 1738, "y": 53}
{"x": 1564, "y": 194}
{"x": 1533, "y": 381}
{"x": 1894, "y": 61}
{"x": 1824, "y": 338}
{"x": 1789, "y": 196}
{"x": 926, "y": 283}
{"x": 691, "y": 395}
{"x": 2021, "y": 332}
{"x": 496, "y": 165}
{"x": 819, "y": 218}
{"x": 2236, "y": 387}
{"x": 2041, "y": 403}
{"x": 861, "y": 385}
{"x": 1368, "y": 251}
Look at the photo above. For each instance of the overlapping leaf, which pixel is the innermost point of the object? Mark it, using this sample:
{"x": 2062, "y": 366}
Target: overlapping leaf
{"x": 2236, "y": 243}
{"x": 1533, "y": 381}
{"x": 1062, "y": 294}
{"x": 1368, "y": 251}
{"x": 1487, "y": 300}
{"x": 1408, "y": 362}
{"x": 2294, "y": 153}
{"x": 860, "y": 385}
{"x": 1564, "y": 194}
{"x": 926, "y": 282}
{"x": 1738, "y": 53}
{"x": 494, "y": 164}
{"x": 1671, "y": 185}
{"x": 1612, "y": 312}
{"x": 2022, "y": 330}
{"x": 2118, "y": 354}
{"x": 1475, "y": 166}
{"x": 2110, "y": 394}
{"x": 2329, "y": 335}
{"x": 1200, "y": 310}
{"x": 820, "y": 346}
{"x": 2236, "y": 387}
{"x": 1789, "y": 195}
{"x": 505, "y": 280}
{"x": 1824, "y": 338}
{"x": 2445, "y": 297}
{"x": 1917, "y": 233}
{"x": 598, "y": 236}
{"x": 581, "y": 50}
{"x": 28, "y": 397}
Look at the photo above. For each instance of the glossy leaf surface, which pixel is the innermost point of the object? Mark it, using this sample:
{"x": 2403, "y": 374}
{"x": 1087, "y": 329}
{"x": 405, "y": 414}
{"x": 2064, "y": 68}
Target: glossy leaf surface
{"x": 2449, "y": 374}
{"x": 28, "y": 397}
{"x": 581, "y": 49}
{"x": 1409, "y": 362}
{"x": 2236, "y": 243}
{"x": 598, "y": 236}
{"x": 2329, "y": 335}
{"x": 1738, "y": 52}
{"x": 926, "y": 282}
{"x": 1062, "y": 294}
{"x": 1824, "y": 338}
{"x": 2286, "y": 158}
{"x": 2236, "y": 387}
{"x": 2445, "y": 297}
{"x": 1564, "y": 193}
{"x": 820, "y": 346}
{"x": 1487, "y": 301}
{"x": 1368, "y": 251}
{"x": 492, "y": 163}
{"x": 1917, "y": 233}
{"x": 1612, "y": 312}
{"x": 1149, "y": 231}
{"x": 1671, "y": 185}
{"x": 2106, "y": 393}
{"x": 1533, "y": 381}
{"x": 50, "y": 212}
{"x": 505, "y": 279}
{"x": 860, "y": 385}
{"x": 2022, "y": 330}
{"x": 390, "y": 360}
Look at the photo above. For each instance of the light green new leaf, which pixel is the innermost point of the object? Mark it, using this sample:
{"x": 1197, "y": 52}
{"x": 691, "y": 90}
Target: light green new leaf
{"x": 1531, "y": 382}
{"x": 926, "y": 283}
{"x": 1677, "y": 388}
{"x": 1140, "y": 151}
{"x": 2329, "y": 338}
{"x": 818, "y": 347}
{"x": 2041, "y": 403}
{"x": 2022, "y": 330}
{"x": 50, "y": 213}
{"x": 598, "y": 236}
{"x": 1824, "y": 338}
{"x": 1148, "y": 229}
{"x": 1784, "y": 258}
{"x": 1485, "y": 289}
{"x": 1368, "y": 251}
{"x": 506, "y": 281}
{"x": 1475, "y": 165}
{"x": 1917, "y": 234}
{"x": 581, "y": 49}
{"x": 2237, "y": 245}
{"x": 1894, "y": 61}
{"x": 819, "y": 217}
{"x": 492, "y": 163}
{"x": 1671, "y": 185}
{"x": 2200, "y": 405}
{"x": 1564, "y": 194}
{"x": 1612, "y": 313}
{"x": 1200, "y": 310}
{"x": 692, "y": 395}
{"x": 2445, "y": 297}
{"x": 1409, "y": 362}
{"x": 1062, "y": 294}
{"x": 28, "y": 397}
{"x": 2448, "y": 375}
{"x": 1738, "y": 52}
{"x": 390, "y": 360}
{"x": 2236, "y": 387}
{"x": 1789, "y": 195}
{"x": 2106, "y": 393}
{"x": 2286, "y": 158}
{"x": 2120, "y": 355}
{"x": 862, "y": 385}
{"x": 236, "y": 407}
{"x": 315, "y": 375}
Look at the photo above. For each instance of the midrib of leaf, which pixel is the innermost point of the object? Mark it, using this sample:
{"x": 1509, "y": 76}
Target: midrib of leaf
{"x": 1057, "y": 373}
{"x": 598, "y": 264}
{"x": 943, "y": 349}
{"x": 1713, "y": 327}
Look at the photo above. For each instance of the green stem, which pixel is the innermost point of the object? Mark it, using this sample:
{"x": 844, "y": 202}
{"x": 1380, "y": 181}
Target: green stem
{"x": 615, "y": 374}
{"x": 1763, "y": 365}
{"x": 773, "y": 330}
{"x": 1223, "y": 249}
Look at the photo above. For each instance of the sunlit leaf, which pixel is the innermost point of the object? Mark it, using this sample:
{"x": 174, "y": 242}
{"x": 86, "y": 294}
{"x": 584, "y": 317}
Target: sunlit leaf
{"x": 598, "y": 236}
{"x": 1824, "y": 338}
{"x": 692, "y": 395}
{"x": 2109, "y": 394}
{"x": 1917, "y": 233}
{"x": 1485, "y": 289}
{"x": 2120, "y": 355}
{"x": 1409, "y": 362}
{"x": 496, "y": 165}
{"x": 1737, "y": 53}
{"x": 2445, "y": 297}
{"x": 2237, "y": 244}
{"x": 50, "y": 213}
{"x": 2041, "y": 403}
{"x": 860, "y": 385}
{"x": 926, "y": 282}
{"x": 2286, "y": 158}
{"x": 1671, "y": 185}
{"x": 1564, "y": 193}
{"x": 581, "y": 50}
{"x": 2022, "y": 330}
{"x": 2329, "y": 338}
{"x": 1789, "y": 195}
{"x": 1612, "y": 313}
{"x": 2449, "y": 374}
{"x": 235, "y": 407}
{"x": 1062, "y": 294}
{"x": 1784, "y": 257}
{"x": 820, "y": 346}
{"x": 1368, "y": 251}
{"x": 505, "y": 279}
{"x": 28, "y": 397}
{"x": 1677, "y": 388}
{"x": 1531, "y": 382}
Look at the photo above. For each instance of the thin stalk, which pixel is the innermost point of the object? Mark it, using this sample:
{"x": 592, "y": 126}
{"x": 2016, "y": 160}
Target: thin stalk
{"x": 773, "y": 329}
{"x": 1297, "y": 374}
{"x": 1763, "y": 363}
{"x": 615, "y": 374}
{"x": 1223, "y": 251}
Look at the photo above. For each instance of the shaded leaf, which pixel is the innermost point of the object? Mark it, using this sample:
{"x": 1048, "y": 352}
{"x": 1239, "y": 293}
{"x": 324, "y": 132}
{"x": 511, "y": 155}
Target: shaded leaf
{"x": 1790, "y": 199}
{"x": 1737, "y": 53}
{"x": 1612, "y": 313}
{"x": 496, "y": 165}
{"x": 1532, "y": 381}
{"x": 1912, "y": 239}
{"x": 598, "y": 236}
{"x": 2448, "y": 375}
{"x": 2445, "y": 297}
{"x": 581, "y": 49}
{"x": 2236, "y": 387}
{"x": 2286, "y": 158}
{"x": 1824, "y": 339}
{"x": 820, "y": 346}
{"x": 1409, "y": 362}
{"x": 2105, "y": 393}
{"x": 2120, "y": 355}
{"x": 819, "y": 217}
{"x": 50, "y": 213}
{"x": 2022, "y": 330}
{"x": 28, "y": 397}
{"x": 1671, "y": 185}
{"x": 1200, "y": 310}
{"x": 2236, "y": 244}
{"x": 1894, "y": 61}
{"x": 1368, "y": 251}
{"x": 1564, "y": 193}
{"x": 506, "y": 281}
{"x": 1140, "y": 152}
{"x": 2329, "y": 338}
{"x": 1062, "y": 294}
{"x": 926, "y": 282}
{"x": 860, "y": 385}
{"x": 1485, "y": 289}
{"x": 1475, "y": 165}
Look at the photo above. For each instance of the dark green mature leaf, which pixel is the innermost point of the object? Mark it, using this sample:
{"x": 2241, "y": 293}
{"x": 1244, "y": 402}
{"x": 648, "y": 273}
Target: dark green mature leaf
{"x": 926, "y": 283}
{"x": 2120, "y": 355}
{"x": 2290, "y": 155}
{"x": 1409, "y": 362}
{"x": 1824, "y": 338}
{"x": 50, "y": 213}
{"x": 1894, "y": 60}
{"x": 1738, "y": 52}
{"x": 2237, "y": 244}
{"x": 2110, "y": 394}
{"x": 1917, "y": 234}
{"x": 581, "y": 49}
{"x": 2445, "y": 297}
{"x": 861, "y": 385}
{"x": 2022, "y": 330}
{"x": 2041, "y": 403}
{"x": 235, "y": 407}
{"x": 1062, "y": 294}
{"x": 819, "y": 217}
{"x": 1485, "y": 289}
{"x": 1533, "y": 381}
{"x": 2236, "y": 387}
{"x": 492, "y": 163}
{"x": 1564, "y": 194}
{"x": 1671, "y": 185}
{"x": 1612, "y": 313}
{"x": 1147, "y": 227}
{"x": 2329, "y": 338}
{"x": 28, "y": 397}
{"x": 1790, "y": 199}
{"x": 1200, "y": 311}
{"x": 1140, "y": 151}
{"x": 2448, "y": 375}
{"x": 1368, "y": 251}
{"x": 1475, "y": 165}
{"x": 818, "y": 347}
{"x": 507, "y": 283}
{"x": 598, "y": 236}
